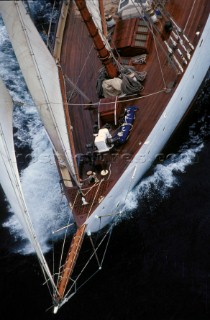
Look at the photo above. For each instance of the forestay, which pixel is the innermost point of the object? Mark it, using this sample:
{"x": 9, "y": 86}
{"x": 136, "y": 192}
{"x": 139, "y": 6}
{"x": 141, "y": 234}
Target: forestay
{"x": 41, "y": 75}
{"x": 9, "y": 176}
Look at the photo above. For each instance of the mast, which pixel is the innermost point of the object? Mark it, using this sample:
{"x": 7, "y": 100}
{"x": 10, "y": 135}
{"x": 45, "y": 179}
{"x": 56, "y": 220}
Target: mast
{"x": 103, "y": 53}
{"x": 103, "y": 20}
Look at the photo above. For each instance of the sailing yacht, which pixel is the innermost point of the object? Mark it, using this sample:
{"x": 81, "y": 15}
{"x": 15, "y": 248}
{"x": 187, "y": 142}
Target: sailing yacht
{"x": 111, "y": 90}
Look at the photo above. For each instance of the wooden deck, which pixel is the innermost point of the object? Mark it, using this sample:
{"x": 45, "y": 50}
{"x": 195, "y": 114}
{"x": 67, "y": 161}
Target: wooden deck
{"x": 80, "y": 64}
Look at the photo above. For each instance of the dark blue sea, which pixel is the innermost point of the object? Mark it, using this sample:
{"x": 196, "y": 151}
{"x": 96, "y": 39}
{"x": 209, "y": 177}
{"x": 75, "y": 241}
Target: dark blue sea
{"x": 157, "y": 265}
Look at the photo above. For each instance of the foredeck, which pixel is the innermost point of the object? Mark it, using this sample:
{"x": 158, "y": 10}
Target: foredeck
{"x": 80, "y": 64}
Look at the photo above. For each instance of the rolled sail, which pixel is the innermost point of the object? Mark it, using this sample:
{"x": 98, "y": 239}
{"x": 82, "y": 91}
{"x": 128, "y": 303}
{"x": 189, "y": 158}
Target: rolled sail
{"x": 41, "y": 75}
{"x": 94, "y": 9}
{"x": 9, "y": 176}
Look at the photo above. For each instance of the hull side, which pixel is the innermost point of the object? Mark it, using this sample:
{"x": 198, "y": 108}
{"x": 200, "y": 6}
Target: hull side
{"x": 165, "y": 127}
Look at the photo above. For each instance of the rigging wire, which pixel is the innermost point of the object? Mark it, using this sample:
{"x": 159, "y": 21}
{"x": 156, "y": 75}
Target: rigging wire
{"x": 53, "y": 241}
{"x": 50, "y": 24}
{"x": 188, "y": 19}
{"x": 161, "y": 69}
{"x": 154, "y": 36}
{"x": 126, "y": 196}
{"x": 107, "y": 233}
{"x": 26, "y": 218}
{"x": 177, "y": 28}
{"x": 86, "y": 264}
{"x": 124, "y": 100}
{"x": 65, "y": 237}
{"x": 110, "y": 233}
{"x": 95, "y": 249}
{"x": 104, "y": 103}
{"x": 78, "y": 78}
{"x": 44, "y": 88}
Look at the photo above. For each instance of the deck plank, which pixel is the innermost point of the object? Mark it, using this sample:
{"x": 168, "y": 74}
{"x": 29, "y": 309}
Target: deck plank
{"x": 80, "y": 63}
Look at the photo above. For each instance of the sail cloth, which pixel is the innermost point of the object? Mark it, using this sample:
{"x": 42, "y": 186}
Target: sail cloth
{"x": 112, "y": 87}
{"x": 129, "y": 82}
{"x": 9, "y": 176}
{"x": 93, "y": 7}
{"x": 41, "y": 75}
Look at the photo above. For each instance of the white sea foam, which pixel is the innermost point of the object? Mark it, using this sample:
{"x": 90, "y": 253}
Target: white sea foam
{"x": 47, "y": 206}
{"x": 40, "y": 180}
{"x": 164, "y": 176}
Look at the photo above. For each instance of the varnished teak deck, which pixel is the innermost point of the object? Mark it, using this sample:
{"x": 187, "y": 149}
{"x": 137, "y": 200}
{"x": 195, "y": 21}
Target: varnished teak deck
{"x": 80, "y": 63}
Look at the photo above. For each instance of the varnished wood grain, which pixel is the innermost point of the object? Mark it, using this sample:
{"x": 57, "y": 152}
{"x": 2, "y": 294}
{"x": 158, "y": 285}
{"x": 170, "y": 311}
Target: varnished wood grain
{"x": 80, "y": 63}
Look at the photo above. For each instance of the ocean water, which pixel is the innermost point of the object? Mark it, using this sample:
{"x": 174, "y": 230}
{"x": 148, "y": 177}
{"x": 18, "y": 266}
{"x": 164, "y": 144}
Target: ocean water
{"x": 39, "y": 177}
{"x": 157, "y": 265}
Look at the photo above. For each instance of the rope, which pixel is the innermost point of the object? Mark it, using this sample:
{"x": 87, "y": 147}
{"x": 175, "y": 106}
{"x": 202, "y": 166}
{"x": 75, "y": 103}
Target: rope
{"x": 178, "y": 29}
{"x": 64, "y": 240}
{"x": 48, "y": 103}
{"x": 140, "y": 59}
{"x": 126, "y": 100}
{"x": 94, "y": 197}
{"x": 161, "y": 69}
{"x": 94, "y": 250}
{"x": 89, "y": 189}
{"x": 108, "y": 232}
{"x": 151, "y": 30}
{"x": 53, "y": 232}
{"x": 104, "y": 103}
{"x": 85, "y": 266}
{"x": 132, "y": 85}
{"x": 189, "y": 16}
{"x": 131, "y": 81}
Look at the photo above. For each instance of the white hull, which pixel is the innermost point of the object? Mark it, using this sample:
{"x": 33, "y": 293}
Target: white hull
{"x": 166, "y": 125}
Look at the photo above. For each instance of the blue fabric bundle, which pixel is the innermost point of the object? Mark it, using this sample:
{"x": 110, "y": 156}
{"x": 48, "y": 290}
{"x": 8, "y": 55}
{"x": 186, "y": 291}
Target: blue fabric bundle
{"x": 123, "y": 132}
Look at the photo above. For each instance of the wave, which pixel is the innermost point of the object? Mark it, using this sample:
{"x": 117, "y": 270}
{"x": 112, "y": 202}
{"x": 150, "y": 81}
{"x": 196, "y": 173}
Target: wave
{"x": 40, "y": 180}
{"x": 165, "y": 176}
{"x": 47, "y": 206}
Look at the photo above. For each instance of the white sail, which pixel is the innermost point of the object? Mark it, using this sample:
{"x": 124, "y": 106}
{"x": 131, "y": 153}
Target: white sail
{"x": 94, "y": 9}
{"x": 9, "y": 175}
{"x": 41, "y": 75}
